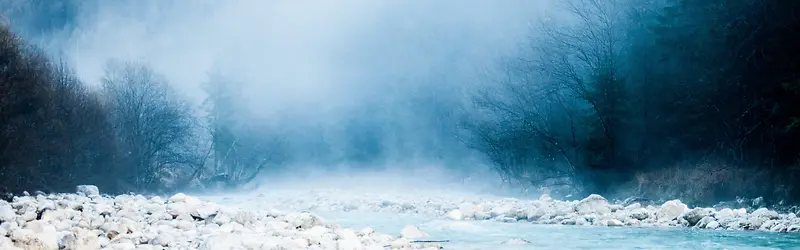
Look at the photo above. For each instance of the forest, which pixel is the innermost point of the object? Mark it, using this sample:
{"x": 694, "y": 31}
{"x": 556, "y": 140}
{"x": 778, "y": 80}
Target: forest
{"x": 696, "y": 100}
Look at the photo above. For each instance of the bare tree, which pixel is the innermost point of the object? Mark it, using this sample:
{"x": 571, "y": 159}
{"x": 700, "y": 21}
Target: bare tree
{"x": 239, "y": 152}
{"x": 583, "y": 54}
{"x": 567, "y": 76}
{"x": 153, "y": 124}
{"x": 527, "y": 127}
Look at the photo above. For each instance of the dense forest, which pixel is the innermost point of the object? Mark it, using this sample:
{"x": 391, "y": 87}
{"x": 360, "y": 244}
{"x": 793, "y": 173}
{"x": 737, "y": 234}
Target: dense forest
{"x": 694, "y": 100}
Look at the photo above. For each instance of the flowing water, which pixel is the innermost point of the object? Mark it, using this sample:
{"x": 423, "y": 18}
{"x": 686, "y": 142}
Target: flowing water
{"x": 469, "y": 234}
{"x": 490, "y": 234}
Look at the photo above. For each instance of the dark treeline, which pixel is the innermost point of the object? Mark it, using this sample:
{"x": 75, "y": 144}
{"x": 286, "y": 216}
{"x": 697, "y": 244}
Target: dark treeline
{"x": 694, "y": 100}
{"x": 56, "y": 133}
{"x": 686, "y": 99}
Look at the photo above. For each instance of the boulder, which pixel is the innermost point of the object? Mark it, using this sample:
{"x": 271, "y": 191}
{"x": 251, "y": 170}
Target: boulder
{"x": 413, "y": 232}
{"x": 88, "y": 190}
{"x": 593, "y": 204}
{"x": 670, "y": 210}
{"x": 455, "y": 214}
{"x": 695, "y": 215}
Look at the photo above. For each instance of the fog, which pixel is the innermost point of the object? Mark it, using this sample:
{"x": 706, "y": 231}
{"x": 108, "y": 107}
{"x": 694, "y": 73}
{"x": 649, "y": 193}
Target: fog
{"x": 307, "y": 67}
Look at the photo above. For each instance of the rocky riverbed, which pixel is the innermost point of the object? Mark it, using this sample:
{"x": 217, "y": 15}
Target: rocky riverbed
{"x": 87, "y": 220}
{"x": 593, "y": 210}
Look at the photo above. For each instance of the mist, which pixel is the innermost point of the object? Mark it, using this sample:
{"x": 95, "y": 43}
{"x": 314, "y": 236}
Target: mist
{"x": 393, "y": 73}
{"x": 580, "y": 96}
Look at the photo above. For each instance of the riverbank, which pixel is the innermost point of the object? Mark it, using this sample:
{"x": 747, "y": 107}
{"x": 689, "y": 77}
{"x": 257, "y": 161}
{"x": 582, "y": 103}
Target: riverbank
{"x": 87, "y": 220}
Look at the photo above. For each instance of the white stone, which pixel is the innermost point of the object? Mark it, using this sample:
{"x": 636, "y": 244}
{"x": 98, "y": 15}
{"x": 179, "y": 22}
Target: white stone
{"x": 766, "y": 213}
{"x": 203, "y": 211}
{"x": 455, "y": 214}
{"x": 670, "y": 210}
{"x": 639, "y": 213}
{"x": 179, "y": 197}
{"x": 724, "y": 213}
{"x": 88, "y": 190}
{"x": 593, "y": 204}
{"x": 695, "y": 215}
{"x": 413, "y": 232}
{"x": 7, "y": 212}
{"x": 6, "y": 243}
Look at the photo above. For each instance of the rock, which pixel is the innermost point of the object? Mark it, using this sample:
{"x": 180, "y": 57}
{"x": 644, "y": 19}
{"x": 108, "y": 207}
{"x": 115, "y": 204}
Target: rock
{"x": 399, "y": 243}
{"x": 179, "y": 197}
{"x": 85, "y": 239}
{"x": 713, "y": 225}
{"x": 203, "y": 211}
{"x": 740, "y": 212}
{"x": 122, "y": 246}
{"x": 639, "y": 213}
{"x": 500, "y": 211}
{"x": 6, "y": 213}
{"x": 613, "y": 223}
{"x": 670, "y": 210}
{"x": 765, "y": 213}
{"x": 302, "y": 220}
{"x": 724, "y": 213}
{"x": 163, "y": 240}
{"x": 455, "y": 214}
{"x": 30, "y": 240}
{"x": 88, "y": 190}
{"x": 7, "y": 244}
{"x": 366, "y": 231}
{"x": 412, "y": 232}
{"x": 348, "y": 240}
{"x": 635, "y": 199}
{"x": 695, "y": 215}
{"x": 758, "y": 202}
{"x": 702, "y": 223}
{"x": 593, "y": 204}
{"x": 633, "y": 206}
{"x": 545, "y": 198}
{"x": 222, "y": 241}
